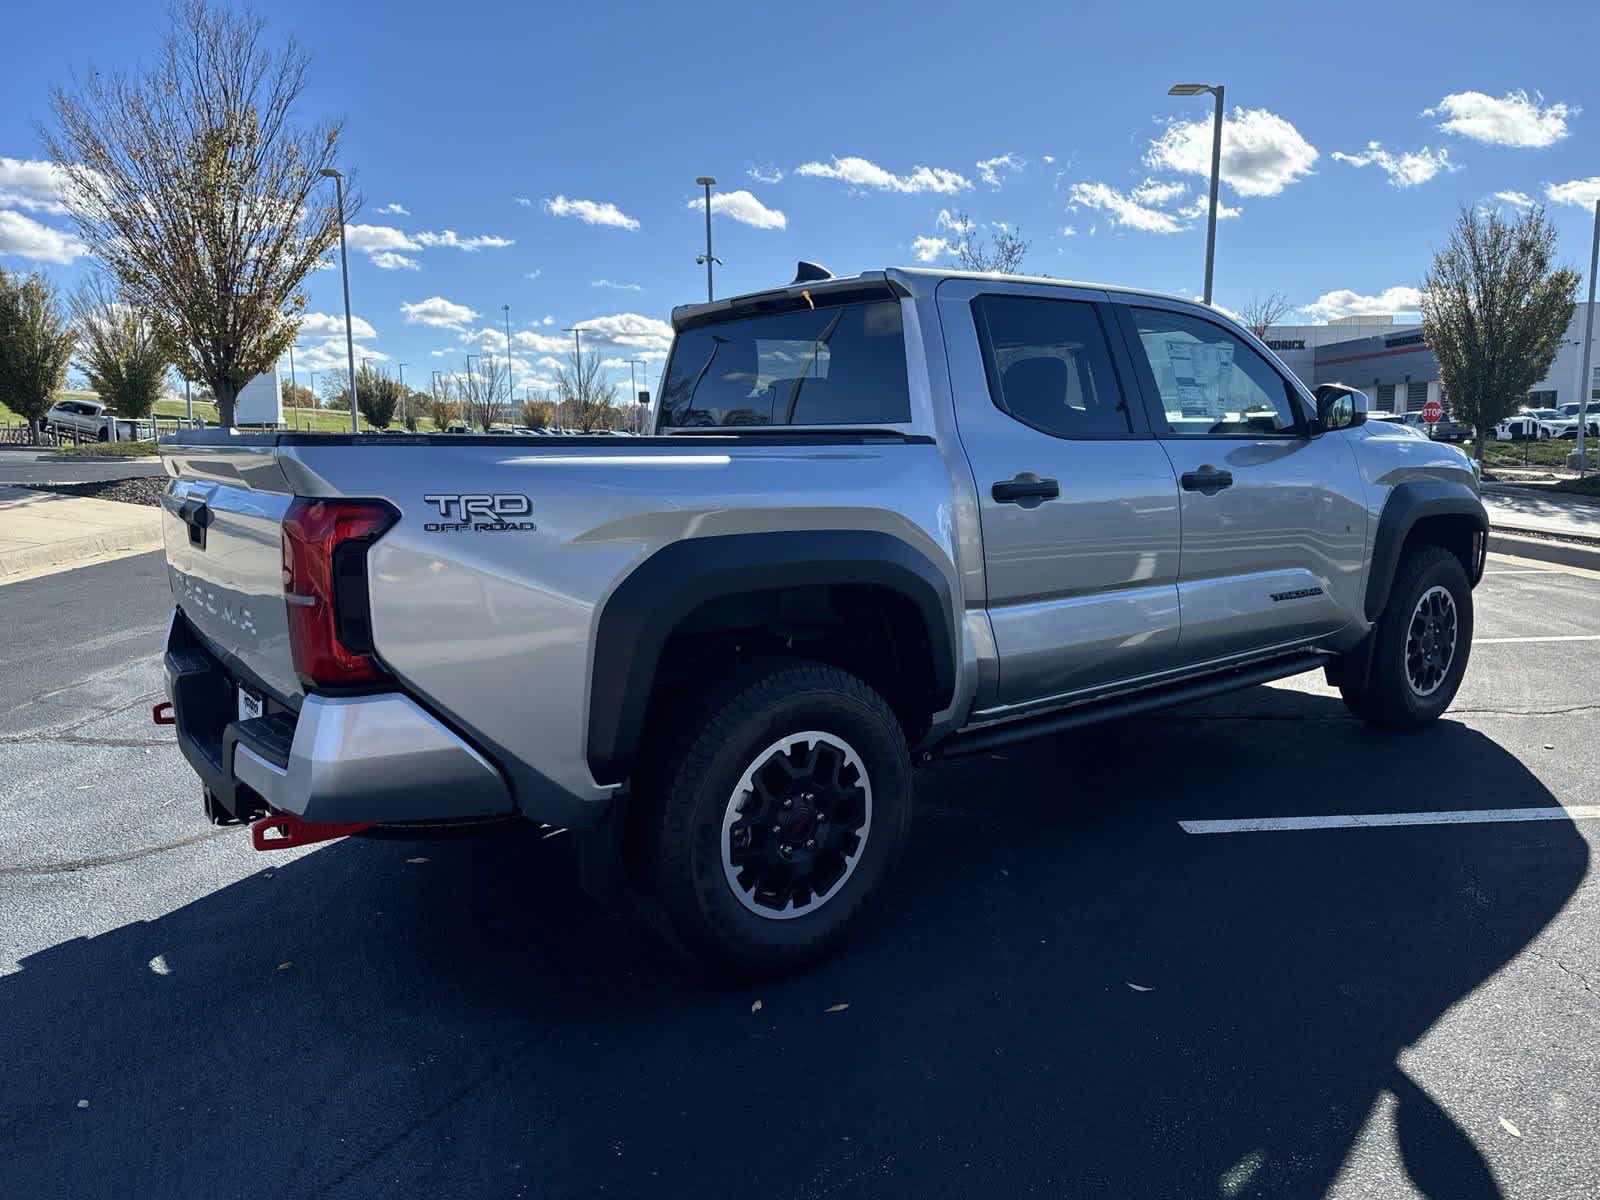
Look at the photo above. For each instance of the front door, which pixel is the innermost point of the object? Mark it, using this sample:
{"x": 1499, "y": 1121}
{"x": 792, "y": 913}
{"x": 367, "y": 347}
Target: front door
{"x": 1274, "y": 518}
{"x": 1077, "y": 502}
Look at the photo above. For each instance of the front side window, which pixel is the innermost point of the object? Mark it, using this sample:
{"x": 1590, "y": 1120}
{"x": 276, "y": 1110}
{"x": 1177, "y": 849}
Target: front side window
{"x": 838, "y": 365}
{"x": 1049, "y": 366}
{"x": 1212, "y": 384}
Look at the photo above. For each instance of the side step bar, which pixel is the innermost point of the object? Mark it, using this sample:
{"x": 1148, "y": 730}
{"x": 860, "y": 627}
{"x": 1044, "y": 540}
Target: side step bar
{"x": 992, "y": 737}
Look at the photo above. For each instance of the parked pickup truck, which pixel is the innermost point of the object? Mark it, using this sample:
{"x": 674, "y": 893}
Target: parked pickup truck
{"x": 880, "y": 520}
{"x": 90, "y": 420}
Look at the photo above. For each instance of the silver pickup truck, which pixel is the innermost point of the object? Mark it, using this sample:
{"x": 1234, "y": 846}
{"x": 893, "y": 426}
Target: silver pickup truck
{"x": 881, "y": 519}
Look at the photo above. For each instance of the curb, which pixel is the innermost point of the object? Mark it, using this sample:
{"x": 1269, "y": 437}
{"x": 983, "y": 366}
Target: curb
{"x": 1567, "y": 554}
{"x": 140, "y": 459}
{"x": 63, "y": 556}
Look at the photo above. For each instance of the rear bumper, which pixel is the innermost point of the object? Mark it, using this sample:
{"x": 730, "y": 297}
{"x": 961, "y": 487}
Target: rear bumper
{"x": 378, "y": 757}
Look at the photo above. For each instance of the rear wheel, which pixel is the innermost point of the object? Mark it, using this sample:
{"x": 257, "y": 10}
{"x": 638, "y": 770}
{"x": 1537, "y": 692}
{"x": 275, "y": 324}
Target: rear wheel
{"x": 1423, "y": 640}
{"x": 774, "y": 815}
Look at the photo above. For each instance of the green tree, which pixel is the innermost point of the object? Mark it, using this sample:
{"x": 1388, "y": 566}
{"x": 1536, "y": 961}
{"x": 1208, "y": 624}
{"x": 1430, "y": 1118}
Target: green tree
{"x": 36, "y": 344}
{"x": 118, "y": 349}
{"x": 377, "y": 396}
{"x": 1494, "y": 311}
{"x": 192, "y": 183}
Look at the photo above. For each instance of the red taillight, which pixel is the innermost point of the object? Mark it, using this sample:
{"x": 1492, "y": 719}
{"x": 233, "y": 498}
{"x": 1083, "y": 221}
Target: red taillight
{"x": 325, "y": 587}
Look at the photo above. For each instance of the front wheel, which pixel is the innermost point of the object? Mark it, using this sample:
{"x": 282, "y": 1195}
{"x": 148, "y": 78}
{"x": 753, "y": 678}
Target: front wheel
{"x": 774, "y": 813}
{"x": 1422, "y": 642}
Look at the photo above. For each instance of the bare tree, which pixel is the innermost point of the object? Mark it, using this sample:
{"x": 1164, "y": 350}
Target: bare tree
{"x": 1261, "y": 313}
{"x": 973, "y": 253}
{"x": 483, "y": 394}
{"x": 587, "y": 402}
{"x": 1494, "y": 310}
{"x": 193, "y": 186}
{"x": 118, "y": 349}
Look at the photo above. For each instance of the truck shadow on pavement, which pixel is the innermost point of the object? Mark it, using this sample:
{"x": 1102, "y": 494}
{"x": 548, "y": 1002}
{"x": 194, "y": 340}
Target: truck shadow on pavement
{"x": 1064, "y": 994}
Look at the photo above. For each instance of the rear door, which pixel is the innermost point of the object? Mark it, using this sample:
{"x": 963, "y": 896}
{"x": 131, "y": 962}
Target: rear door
{"x": 1274, "y": 518}
{"x": 1077, "y": 502}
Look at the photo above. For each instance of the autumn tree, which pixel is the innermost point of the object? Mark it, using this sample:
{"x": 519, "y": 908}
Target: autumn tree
{"x": 1261, "y": 313}
{"x": 377, "y": 395}
{"x": 537, "y": 414}
{"x": 441, "y": 405}
{"x": 587, "y": 402}
{"x": 36, "y": 345}
{"x": 1494, "y": 310}
{"x": 195, "y": 186}
{"x": 118, "y": 349}
{"x": 295, "y": 396}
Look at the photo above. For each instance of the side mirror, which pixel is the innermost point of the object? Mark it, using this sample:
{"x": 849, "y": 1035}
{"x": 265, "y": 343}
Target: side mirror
{"x": 1340, "y": 407}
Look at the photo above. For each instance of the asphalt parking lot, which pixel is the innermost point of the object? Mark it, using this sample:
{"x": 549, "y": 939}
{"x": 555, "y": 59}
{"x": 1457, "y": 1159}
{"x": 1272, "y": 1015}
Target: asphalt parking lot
{"x": 1067, "y": 994}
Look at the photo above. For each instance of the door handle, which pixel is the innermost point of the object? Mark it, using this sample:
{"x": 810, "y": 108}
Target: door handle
{"x": 1027, "y": 489}
{"x": 1208, "y": 481}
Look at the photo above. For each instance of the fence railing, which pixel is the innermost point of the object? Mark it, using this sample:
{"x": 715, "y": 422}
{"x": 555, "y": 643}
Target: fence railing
{"x": 142, "y": 429}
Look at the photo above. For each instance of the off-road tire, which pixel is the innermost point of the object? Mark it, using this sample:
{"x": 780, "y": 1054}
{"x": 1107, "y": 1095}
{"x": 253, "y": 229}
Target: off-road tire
{"x": 690, "y": 773}
{"x": 1388, "y": 700}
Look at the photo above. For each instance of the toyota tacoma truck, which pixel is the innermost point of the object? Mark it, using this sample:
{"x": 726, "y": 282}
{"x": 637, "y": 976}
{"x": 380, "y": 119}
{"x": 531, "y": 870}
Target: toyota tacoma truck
{"x": 879, "y": 520}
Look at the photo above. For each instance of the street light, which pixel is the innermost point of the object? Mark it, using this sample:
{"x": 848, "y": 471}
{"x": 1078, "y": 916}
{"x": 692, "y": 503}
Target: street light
{"x": 708, "y": 183}
{"x": 293, "y": 403}
{"x": 1586, "y": 385}
{"x": 344, "y": 271}
{"x": 405, "y": 406}
{"x": 1195, "y": 89}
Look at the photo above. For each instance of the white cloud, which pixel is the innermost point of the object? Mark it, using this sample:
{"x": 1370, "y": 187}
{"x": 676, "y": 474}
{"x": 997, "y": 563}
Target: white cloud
{"x": 929, "y": 249}
{"x": 1510, "y": 120}
{"x": 550, "y": 363}
{"x": 32, "y": 184}
{"x": 862, "y": 173}
{"x": 547, "y": 319}
{"x": 1048, "y": 159}
{"x": 540, "y": 343}
{"x": 1261, "y": 152}
{"x": 535, "y": 273}
{"x": 743, "y": 207}
{"x": 371, "y": 238}
{"x": 330, "y": 355}
{"x": 439, "y": 353}
{"x": 620, "y": 287}
{"x": 454, "y": 241}
{"x": 1404, "y": 170}
{"x": 524, "y": 201}
{"x": 395, "y": 210}
{"x": 989, "y": 168}
{"x": 1201, "y": 205}
{"x": 437, "y": 311}
{"x": 631, "y": 330}
{"x": 1515, "y": 199}
{"x": 1158, "y": 192}
{"x": 1068, "y": 231}
{"x": 1345, "y": 303}
{"x": 590, "y": 212}
{"x": 24, "y": 237}
{"x": 954, "y": 222}
{"x": 331, "y": 325}
{"x": 769, "y": 174}
{"x": 391, "y": 260}
{"x": 1582, "y": 192}
{"x": 1123, "y": 210}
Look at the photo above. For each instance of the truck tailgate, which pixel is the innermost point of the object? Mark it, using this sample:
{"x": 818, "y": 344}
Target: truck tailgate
{"x": 225, "y": 557}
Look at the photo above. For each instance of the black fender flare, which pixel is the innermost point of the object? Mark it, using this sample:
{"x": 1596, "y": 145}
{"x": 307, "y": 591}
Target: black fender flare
{"x": 661, "y": 591}
{"x": 1407, "y": 504}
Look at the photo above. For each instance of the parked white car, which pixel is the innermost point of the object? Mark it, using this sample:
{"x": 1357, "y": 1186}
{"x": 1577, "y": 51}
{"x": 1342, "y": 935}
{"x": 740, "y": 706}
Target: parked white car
{"x": 1526, "y": 427}
{"x": 89, "y": 419}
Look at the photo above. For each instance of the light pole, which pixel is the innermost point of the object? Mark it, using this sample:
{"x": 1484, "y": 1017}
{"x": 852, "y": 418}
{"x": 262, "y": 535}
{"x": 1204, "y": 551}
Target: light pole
{"x": 344, "y": 271}
{"x": 511, "y": 394}
{"x": 293, "y": 401}
{"x": 1195, "y": 89}
{"x": 1586, "y": 385}
{"x": 708, "y": 183}
{"x": 405, "y": 405}
{"x": 635, "y": 383}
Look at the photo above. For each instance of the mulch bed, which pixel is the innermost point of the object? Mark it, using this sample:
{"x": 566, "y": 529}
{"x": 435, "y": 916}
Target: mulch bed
{"x": 141, "y": 489}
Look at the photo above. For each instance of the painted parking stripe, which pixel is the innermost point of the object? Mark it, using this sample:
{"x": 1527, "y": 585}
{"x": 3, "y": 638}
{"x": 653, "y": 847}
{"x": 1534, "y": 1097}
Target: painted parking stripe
{"x": 1469, "y": 816}
{"x": 1555, "y": 637}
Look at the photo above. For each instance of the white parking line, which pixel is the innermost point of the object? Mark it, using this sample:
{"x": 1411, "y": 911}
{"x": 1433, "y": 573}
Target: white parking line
{"x": 1497, "y": 574}
{"x": 1469, "y": 816}
{"x": 1552, "y": 637}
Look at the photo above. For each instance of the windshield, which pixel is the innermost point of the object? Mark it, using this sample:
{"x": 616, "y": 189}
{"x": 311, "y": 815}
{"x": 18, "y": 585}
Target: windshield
{"x": 840, "y": 365}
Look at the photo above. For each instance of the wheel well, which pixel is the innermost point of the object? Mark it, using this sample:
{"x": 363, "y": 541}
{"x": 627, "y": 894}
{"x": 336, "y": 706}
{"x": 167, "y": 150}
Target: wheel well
{"x": 872, "y": 631}
{"x": 1455, "y": 533}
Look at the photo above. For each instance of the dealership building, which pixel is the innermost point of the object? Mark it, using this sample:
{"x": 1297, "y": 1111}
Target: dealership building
{"x": 1392, "y": 364}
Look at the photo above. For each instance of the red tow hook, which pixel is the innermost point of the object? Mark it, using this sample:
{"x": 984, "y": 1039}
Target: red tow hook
{"x": 290, "y": 831}
{"x": 161, "y": 714}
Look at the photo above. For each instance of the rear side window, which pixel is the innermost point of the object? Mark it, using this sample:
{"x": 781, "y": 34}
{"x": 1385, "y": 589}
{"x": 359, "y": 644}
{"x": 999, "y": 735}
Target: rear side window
{"x": 1049, "y": 366}
{"x": 841, "y": 365}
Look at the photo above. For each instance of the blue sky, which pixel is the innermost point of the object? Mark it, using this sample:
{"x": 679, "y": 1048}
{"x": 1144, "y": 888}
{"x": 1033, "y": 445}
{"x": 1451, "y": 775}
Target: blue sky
{"x": 544, "y": 156}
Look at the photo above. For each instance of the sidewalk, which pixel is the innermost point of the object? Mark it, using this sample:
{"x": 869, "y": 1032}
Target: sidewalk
{"x": 41, "y": 532}
{"x": 1519, "y": 509}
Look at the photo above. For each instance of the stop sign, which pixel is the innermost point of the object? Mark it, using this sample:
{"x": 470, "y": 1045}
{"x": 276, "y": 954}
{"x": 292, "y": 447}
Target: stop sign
{"x": 1432, "y": 411}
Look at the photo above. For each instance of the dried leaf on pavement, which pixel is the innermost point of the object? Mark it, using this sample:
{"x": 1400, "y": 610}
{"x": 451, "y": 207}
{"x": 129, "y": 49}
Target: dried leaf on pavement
{"x": 1510, "y": 1128}
{"x": 755, "y": 1006}
{"x": 1138, "y": 987}
{"x": 836, "y": 1008}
